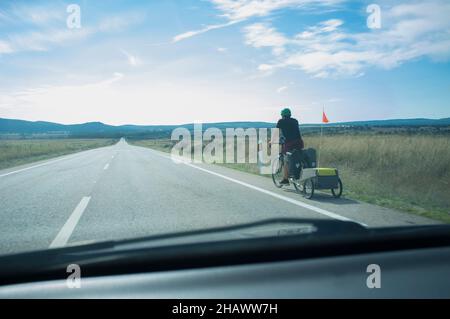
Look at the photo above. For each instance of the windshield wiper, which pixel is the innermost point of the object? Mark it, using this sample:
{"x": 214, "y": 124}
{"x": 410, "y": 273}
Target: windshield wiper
{"x": 321, "y": 227}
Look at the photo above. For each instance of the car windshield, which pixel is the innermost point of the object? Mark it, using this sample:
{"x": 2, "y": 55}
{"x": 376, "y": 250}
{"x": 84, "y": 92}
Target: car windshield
{"x": 130, "y": 119}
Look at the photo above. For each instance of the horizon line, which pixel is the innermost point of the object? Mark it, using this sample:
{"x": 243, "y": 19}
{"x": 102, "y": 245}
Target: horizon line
{"x": 225, "y": 122}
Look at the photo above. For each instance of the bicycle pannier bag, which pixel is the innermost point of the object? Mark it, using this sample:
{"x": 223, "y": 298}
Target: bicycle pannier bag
{"x": 310, "y": 157}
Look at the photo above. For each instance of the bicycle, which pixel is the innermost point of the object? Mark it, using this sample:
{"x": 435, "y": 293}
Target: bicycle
{"x": 278, "y": 171}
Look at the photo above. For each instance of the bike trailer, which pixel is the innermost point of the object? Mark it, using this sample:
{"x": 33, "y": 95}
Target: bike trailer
{"x": 323, "y": 178}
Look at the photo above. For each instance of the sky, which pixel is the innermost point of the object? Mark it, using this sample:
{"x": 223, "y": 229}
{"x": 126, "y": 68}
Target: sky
{"x": 185, "y": 61}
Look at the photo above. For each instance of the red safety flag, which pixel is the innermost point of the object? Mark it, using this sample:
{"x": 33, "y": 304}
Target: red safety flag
{"x": 324, "y": 118}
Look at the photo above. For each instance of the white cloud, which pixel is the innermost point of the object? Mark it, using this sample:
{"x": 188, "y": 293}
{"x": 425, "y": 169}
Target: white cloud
{"x": 117, "y": 23}
{"x": 45, "y": 34}
{"x": 222, "y": 50}
{"x": 58, "y": 100}
{"x": 44, "y": 40}
{"x": 323, "y": 27}
{"x": 31, "y": 14}
{"x": 265, "y": 67}
{"x": 409, "y": 32}
{"x": 244, "y": 9}
{"x": 236, "y": 11}
{"x": 117, "y": 76}
{"x": 190, "y": 34}
{"x": 282, "y": 89}
{"x": 40, "y": 25}
{"x": 330, "y": 25}
{"x": 260, "y": 35}
{"x": 41, "y": 16}
{"x": 132, "y": 60}
{"x": 5, "y": 47}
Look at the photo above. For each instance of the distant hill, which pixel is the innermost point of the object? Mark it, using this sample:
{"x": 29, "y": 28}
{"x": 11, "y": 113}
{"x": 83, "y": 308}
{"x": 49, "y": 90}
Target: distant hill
{"x": 402, "y": 122}
{"x": 13, "y": 126}
{"x": 28, "y": 127}
{"x": 21, "y": 127}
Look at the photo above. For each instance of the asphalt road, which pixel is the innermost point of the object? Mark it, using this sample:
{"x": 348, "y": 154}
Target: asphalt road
{"x": 124, "y": 191}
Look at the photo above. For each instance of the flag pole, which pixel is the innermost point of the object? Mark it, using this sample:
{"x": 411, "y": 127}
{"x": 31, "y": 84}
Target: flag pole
{"x": 320, "y": 140}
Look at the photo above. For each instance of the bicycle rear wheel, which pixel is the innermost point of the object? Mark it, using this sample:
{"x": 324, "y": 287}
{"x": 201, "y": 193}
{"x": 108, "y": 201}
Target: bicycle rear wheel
{"x": 277, "y": 171}
{"x": 308, "y": 189}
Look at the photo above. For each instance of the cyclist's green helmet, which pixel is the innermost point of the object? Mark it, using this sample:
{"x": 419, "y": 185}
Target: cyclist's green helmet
{"x": 286, "y": 112}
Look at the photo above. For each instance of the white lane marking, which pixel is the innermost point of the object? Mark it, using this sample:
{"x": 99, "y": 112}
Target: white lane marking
{"x": 66, "y": 231}
{"x": 282, "y": 197}
{"x": 262, "y": 190}
{"x": 106, "y": 166}
{"x": 43, "y": 164}
{"x": 31, "y": 167}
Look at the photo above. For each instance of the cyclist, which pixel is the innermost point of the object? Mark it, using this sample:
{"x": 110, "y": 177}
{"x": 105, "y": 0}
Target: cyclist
{"x": 290, "y": 133}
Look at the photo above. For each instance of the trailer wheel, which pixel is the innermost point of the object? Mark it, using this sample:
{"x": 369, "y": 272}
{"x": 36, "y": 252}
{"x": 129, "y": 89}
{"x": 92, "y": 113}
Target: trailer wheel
{"x": 337, "y": 192}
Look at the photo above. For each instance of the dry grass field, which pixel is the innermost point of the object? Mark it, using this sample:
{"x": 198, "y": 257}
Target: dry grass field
{"x": 18, "y": 152}
{"x": 410, "y": 173}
